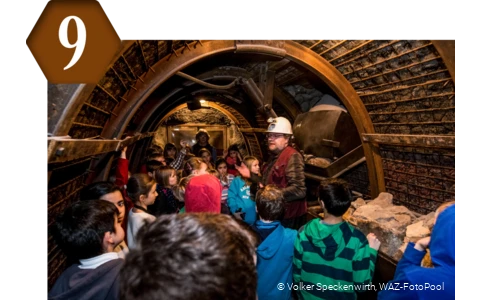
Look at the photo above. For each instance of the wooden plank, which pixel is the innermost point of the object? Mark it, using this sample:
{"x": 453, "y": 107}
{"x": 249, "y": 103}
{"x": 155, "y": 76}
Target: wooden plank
{"x": 437, "y": 141}
{"x": 61, "y": 149}
{"x": 260, "y": 130}
{"x": 269, "y": 86}
{"x": 330, "y": 143}
{"x": 446, "y": 49}
{"x": 338, "y": 167}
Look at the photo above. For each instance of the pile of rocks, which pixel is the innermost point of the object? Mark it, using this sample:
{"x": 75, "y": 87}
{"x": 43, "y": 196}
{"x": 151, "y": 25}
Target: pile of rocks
{"x": 393, "y": 225}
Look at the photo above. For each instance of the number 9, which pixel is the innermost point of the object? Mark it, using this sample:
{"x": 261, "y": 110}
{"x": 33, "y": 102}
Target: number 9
{"x": 81, "y": 38}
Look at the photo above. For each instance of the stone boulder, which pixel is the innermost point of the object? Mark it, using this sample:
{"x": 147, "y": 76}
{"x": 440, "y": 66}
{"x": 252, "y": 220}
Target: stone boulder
{"x": 387, "y": 221}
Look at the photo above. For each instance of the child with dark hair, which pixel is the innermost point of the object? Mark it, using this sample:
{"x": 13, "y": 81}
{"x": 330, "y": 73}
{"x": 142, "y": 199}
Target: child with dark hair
{"x": 275, "y": 252}
{"x": 151, "y": 154}
{"x": 333, "y": 252}
{"x": 170, "y": 152}
{"x": 152, "y": 166}
{"x": 142, "y": 190}
{"x": 88, "y": 231}
{"x": 191, "y": 256}
{"x": 202, "y": 141}
{"x": 232, "y": 158}
{"x": 174, "y": 158}
{"x": 225, "y": 179}
{"x": 109, "y": 192}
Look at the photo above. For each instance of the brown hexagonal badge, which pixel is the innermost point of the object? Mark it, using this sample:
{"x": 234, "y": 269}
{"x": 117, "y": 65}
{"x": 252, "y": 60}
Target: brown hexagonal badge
{"x": 73, "y": 41}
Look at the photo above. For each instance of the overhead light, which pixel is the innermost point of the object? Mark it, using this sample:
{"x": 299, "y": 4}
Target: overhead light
{"x": 204, "y": 103}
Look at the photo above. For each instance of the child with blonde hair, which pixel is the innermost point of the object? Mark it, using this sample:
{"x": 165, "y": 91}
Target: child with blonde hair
{"x": 179, "y": 192}
{"x": 165, "y": 203}
{"x": 239, "y": 200}
{"x": 206, "y": 156}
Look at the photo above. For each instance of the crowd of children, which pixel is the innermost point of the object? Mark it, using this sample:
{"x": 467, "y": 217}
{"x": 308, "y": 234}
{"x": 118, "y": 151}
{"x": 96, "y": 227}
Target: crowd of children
{"x": 146, "y": 240}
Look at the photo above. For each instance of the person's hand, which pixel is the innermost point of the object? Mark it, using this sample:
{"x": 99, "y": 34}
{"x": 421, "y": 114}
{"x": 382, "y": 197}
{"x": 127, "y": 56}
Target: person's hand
{"x": 260, "y": 185}
{"x": 243, "y": 170}
{"x": 373, "y": 242}
{"x": 239, "y": 156}
{"x": 239, "y": 215}
{"x": 123, "y": 154}
{"x": 225, "y": 153}
{"x": 422, "y": 244}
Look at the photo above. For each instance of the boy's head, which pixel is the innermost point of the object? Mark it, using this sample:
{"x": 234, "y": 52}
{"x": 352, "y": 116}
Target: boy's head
{"x": 88, "y": 228}
{"x": 153, "y": 165}
{"x": 191, "y": 256}
{"x": 105, "y": 191}
{"x": 202, "y": 136}
{"x": 170, "y": 150}
{"x": 335, "y": 196}
{"x": 270, "y": 203}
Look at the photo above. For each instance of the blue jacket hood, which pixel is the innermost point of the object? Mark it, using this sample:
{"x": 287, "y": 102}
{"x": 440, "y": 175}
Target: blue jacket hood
{"x": 442, "y": 242}
{"x": 272, "y": 243}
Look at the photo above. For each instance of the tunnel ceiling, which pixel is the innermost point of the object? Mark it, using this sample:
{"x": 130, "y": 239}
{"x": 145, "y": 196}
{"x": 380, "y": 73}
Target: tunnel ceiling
{"x": 389, "y": 76}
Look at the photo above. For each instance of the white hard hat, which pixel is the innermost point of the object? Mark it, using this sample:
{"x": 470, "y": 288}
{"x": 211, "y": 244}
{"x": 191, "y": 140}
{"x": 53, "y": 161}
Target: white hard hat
{"x": 279, "y": 125}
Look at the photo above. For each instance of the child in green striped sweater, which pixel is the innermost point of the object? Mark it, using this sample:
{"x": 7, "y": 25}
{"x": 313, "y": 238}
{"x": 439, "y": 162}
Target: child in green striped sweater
{"x": 332, "y": 259}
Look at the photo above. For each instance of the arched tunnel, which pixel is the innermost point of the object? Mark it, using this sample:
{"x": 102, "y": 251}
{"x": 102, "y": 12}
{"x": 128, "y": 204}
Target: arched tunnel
{"x": 400, "y": 95}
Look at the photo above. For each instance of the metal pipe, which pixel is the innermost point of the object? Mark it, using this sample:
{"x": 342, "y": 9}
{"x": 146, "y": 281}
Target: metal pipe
{"x": 402, "y": 80}
{"x": 404, "y": 88}
{"x": 256, "y": 95}
{"x": 409, "y": 100}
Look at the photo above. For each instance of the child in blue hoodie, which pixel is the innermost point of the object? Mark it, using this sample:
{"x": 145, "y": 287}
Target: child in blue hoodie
{"x": 275, "y": 253}
{"x": 433, "y": 283}
{"x": 239, "y": 200}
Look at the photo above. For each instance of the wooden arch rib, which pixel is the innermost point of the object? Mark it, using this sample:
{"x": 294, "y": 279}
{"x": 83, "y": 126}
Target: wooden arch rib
{"x": 167, "y": 68}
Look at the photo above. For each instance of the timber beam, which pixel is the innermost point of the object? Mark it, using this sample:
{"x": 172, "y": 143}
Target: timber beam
{"x": 255, "y": 130}
{"x": 63, "y": 149}
{"x": 436, "y": 141}
{"x": 263, "y": 105}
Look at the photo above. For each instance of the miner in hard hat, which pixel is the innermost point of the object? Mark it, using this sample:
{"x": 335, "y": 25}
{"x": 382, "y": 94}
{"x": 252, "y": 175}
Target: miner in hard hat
{"x": 285, "y": 169}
